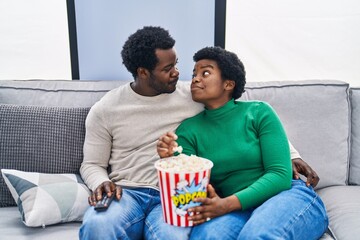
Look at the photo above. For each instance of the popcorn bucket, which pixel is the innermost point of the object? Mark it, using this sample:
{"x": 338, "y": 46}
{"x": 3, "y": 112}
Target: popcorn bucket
{"x": 180, "y": 185}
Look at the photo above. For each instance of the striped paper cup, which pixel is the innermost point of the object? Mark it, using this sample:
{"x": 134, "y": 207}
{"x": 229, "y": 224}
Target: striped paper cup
{"x": 179, "y": 188}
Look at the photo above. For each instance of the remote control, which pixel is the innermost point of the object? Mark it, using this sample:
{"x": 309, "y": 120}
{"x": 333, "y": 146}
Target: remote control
{"x": 104, "y": 203}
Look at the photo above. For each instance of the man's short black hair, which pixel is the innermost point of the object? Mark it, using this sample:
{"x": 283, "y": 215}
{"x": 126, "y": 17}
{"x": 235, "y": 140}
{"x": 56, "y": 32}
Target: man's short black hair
{"x": 139, "y": 48}
{"x": 230, "y": 66}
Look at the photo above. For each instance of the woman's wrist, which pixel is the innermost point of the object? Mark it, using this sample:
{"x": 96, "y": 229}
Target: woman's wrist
{"x": 232, "y": 203}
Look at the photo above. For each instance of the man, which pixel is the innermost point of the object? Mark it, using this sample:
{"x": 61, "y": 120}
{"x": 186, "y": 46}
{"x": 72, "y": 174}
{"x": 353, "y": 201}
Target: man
{"x": 122, "y": 130}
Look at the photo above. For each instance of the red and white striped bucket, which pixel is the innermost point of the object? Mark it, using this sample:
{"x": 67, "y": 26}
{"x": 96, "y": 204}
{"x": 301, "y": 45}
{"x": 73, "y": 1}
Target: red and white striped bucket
{"x": 178, "y": 189}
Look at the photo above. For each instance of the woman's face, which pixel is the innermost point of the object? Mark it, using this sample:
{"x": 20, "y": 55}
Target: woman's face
{"x": 207, "y": 86}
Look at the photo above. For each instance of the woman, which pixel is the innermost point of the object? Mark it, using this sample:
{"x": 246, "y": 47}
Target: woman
{"x": 251, "y": 195}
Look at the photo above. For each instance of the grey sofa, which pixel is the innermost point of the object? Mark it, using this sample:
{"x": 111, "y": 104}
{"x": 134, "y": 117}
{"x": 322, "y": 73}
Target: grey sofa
{"x": 322, "y": 119}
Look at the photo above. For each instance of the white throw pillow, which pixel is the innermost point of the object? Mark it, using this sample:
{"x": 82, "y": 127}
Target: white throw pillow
{"x": 45, "y": 199}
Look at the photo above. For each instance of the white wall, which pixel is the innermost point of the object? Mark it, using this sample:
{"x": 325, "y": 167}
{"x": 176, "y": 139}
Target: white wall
{"x": 276, "y": 39}
{"x": 297, "y": 39}
{"x": 34, "y": 41}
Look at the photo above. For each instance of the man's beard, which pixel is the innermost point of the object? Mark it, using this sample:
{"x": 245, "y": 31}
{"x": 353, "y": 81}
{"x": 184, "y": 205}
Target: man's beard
{"x": 160, "y": 87}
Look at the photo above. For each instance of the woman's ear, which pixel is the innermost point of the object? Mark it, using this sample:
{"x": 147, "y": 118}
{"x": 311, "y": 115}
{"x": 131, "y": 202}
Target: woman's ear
{"x": 229, "y": 84}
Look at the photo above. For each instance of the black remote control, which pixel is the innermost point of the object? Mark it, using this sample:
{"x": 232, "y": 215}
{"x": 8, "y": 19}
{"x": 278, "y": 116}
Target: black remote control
{"x": 104, "y": 203}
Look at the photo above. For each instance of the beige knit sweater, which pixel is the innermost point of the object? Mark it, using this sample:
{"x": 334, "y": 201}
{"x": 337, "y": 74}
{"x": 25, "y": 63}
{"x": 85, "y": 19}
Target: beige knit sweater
{"x": 122, "y": 130}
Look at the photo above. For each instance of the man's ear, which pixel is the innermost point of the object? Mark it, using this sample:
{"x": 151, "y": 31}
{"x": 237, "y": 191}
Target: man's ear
{"x": 142, "y": 73}
{"x": 229, "y": 85}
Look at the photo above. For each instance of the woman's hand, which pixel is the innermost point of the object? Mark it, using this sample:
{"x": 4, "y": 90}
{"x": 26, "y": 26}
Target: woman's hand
{"x": 166, "y": 144}
{"x": 213, "y": 206}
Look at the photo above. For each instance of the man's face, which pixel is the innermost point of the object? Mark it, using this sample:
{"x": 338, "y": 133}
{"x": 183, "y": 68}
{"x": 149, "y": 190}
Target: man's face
{"x": 164, "y": 77}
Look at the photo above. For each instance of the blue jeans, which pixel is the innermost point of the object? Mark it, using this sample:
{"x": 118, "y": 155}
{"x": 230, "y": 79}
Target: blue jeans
{"x": 298, "y": 213}
{"x": 138, "y": 215}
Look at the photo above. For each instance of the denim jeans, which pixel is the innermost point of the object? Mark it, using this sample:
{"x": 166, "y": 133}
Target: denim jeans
{"x": 298, "y": 213}
{"x": 138, "y": 215}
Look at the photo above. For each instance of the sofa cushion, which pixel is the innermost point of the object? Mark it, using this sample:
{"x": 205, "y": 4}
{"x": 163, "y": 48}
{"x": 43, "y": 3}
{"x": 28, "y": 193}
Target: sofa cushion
{"x": 60, "y": 93}
{"x": 46, "y": 199}
{"x": 343, "y": 208}
{"x": 316, "y": 116}
{"x": 355, "y": 137}
{"x": 12, "y": 228}
{"x": 40, "y": 139}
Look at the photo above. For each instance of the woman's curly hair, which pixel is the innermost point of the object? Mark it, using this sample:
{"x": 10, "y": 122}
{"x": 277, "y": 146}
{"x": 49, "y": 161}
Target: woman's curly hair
{"x": 139, "y": 48}
{"x": 230, "y": 66}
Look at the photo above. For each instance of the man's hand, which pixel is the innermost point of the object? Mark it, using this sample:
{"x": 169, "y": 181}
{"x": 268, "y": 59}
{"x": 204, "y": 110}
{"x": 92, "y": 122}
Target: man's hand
{"x": 107, "y": 187}
{"x": 301, "y": 167}
{"x": 166, "y": 145}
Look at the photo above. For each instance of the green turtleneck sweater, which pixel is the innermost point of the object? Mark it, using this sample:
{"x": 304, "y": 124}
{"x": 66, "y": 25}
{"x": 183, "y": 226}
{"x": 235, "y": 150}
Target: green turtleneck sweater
{"x": 248, "y": 146}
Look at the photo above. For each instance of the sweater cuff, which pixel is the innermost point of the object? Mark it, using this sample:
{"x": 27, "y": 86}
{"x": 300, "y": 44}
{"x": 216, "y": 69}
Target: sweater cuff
{"x": 293, "y": 152}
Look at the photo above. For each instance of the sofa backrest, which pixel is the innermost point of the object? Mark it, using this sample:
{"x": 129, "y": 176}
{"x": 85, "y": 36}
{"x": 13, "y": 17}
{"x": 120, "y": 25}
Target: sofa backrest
{"x": 316, "y": 116}
{"x": 355, "y": 137}
{"x": 40, "y": 139}
{"x": 60, "y": 93}
{"x": 42, "y": 125}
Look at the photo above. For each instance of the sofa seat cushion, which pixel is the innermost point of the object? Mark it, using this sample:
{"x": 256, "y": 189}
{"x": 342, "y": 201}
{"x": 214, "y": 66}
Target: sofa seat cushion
{"x": 12, "y": 228}
{"x": 343, "y": 208}
{"x": 40, "y": 139}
